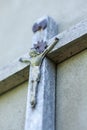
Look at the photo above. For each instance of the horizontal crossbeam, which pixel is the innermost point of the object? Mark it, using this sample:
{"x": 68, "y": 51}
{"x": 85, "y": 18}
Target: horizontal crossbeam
{"x": 71, "y": 42}
{"x": 13, "y": 75}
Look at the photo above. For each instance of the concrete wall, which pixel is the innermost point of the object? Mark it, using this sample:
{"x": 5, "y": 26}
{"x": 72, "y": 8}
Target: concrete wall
{"x": 12, "y": 108}
{"x": 18, "y": 16}
{"x": 71, "y": 106}
{"x": 16, "y": 20}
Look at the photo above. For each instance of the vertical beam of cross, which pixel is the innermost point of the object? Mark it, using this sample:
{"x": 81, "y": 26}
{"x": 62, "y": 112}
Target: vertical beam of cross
{"x": 42, "y": 117}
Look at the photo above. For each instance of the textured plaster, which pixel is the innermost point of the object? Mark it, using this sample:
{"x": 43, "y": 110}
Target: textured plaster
{"x": 71, "y": 93}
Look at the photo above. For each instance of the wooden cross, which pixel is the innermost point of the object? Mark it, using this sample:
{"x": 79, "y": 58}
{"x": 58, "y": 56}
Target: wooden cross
{"x": 44, "y": 29}
{"x": 71, "y": 42}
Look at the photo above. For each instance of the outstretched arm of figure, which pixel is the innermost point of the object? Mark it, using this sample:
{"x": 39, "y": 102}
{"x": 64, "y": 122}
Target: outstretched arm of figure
{"x": 24, "y": 60}
{"x": 50, "y": 47}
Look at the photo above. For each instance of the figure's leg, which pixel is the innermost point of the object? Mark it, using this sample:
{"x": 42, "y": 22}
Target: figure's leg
{"x": 33, "y": 93}
{"x": 34, "y": 80}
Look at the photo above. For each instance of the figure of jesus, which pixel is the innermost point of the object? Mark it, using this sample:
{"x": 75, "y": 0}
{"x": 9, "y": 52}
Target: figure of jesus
{"x": 35, "y": 61}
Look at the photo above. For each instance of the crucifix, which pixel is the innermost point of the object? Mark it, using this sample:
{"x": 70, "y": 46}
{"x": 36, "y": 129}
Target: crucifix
{"x": 35, "y": 61}
{"x": 44, "y": 30}
{"x": 36, "y": 55}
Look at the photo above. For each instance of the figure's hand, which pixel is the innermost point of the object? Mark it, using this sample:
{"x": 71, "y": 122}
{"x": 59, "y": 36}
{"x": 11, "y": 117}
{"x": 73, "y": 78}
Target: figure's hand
{"x": 20, "y": 60}
{"x": 24, "y": 60}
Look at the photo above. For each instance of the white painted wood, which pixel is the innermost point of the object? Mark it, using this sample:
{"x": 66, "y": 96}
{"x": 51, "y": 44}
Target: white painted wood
{"x": 42, "y": 117}
{"x": 71, "y": 42}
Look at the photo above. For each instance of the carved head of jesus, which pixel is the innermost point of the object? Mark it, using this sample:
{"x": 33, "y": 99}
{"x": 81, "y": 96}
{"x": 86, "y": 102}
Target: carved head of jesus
{"x": 33, "y": 53}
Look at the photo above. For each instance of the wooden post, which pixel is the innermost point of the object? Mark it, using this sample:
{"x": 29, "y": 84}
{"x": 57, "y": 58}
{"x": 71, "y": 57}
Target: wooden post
{"x": 42, "y": 117}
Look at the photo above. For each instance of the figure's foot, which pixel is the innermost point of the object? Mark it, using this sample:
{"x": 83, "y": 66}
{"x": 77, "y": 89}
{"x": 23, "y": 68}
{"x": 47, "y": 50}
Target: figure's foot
{"x": 56, "y": 39}
{"x": 33, "y": 103}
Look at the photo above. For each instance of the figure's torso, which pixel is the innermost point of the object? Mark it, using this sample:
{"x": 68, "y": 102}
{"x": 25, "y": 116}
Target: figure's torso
{"x": 35, "y": 72}
{"x": 36, "y": 61}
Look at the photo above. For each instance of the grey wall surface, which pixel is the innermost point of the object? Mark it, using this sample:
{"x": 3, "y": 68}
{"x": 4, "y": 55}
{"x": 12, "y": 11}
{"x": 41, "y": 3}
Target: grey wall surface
{"x": 16, "y": 20}
{"x": 18, "y": 16}
{"x": 71, "y": 105}
{"x": 13, "y": 108}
